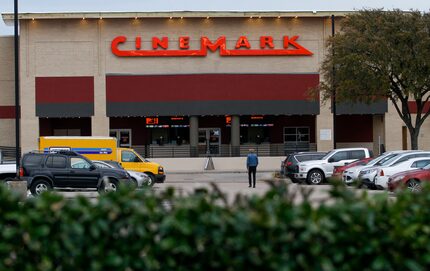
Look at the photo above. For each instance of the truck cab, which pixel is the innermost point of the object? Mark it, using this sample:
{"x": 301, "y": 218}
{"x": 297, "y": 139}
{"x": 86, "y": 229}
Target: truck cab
{"x": 131, "y": 160}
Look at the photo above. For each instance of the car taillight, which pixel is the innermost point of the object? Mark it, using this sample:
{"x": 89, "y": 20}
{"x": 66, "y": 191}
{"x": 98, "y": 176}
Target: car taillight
{"x": 289, "y": 163}
{"x": 381, "y": 173}
{"x": 21, "y": 172}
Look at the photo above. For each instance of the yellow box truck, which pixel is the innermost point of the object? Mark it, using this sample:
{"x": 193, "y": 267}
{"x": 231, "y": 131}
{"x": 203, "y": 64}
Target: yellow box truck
{"x": 103, "y": 148}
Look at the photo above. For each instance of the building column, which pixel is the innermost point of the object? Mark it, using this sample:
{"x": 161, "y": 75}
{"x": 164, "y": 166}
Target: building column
{"x": 194, "y": 136}
{"x": 324, "y": 128}
{"x": 99, "y": 121}
{"x": 235, "y": 136}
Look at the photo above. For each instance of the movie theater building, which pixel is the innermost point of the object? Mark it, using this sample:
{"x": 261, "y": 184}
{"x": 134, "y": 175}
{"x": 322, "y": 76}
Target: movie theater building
{"x": 184, "y": 84}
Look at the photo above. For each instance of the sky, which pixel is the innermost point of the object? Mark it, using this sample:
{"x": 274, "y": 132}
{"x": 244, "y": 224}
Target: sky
{"x": 6, "y": 6}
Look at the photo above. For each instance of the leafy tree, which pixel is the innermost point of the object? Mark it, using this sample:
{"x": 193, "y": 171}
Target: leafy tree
{"x": 382, "y": 54}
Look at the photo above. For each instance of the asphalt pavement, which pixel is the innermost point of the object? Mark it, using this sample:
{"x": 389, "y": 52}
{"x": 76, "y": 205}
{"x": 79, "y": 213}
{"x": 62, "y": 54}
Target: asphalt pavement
{"x": 231, "y": 184}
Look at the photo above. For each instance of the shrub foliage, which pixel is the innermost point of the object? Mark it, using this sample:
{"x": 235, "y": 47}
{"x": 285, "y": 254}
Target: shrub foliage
{"x": 140, "y": 230}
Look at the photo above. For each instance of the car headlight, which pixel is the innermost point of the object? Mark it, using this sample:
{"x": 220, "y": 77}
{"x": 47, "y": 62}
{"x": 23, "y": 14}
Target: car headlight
{"x": 368, "y": 171}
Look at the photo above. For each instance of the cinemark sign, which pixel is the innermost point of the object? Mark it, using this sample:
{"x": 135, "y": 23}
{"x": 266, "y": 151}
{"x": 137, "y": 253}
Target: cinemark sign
{"x": 160, "y": 47}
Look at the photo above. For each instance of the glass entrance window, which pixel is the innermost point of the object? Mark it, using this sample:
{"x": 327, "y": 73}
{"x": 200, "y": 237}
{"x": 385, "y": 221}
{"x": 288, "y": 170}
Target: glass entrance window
{"x": 123, "y": 137}
{"x": 296, "y": 134}
{"x": 209, "y": 141}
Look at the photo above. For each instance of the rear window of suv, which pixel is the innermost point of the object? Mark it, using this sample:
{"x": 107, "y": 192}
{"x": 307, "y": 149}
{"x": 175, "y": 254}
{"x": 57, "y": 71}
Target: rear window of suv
{"x": 56, "y": 162}
{"x": 32, "y": 160}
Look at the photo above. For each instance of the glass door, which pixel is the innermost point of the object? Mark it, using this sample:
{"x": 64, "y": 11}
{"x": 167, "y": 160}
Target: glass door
{"x": 209, "y": 141}
{"x": 123, "y": 137}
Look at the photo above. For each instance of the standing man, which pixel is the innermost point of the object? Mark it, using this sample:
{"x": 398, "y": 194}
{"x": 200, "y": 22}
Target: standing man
{"x": 251, "y": 165}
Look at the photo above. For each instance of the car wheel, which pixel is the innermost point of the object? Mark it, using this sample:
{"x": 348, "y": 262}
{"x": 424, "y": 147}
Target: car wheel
{"x": 151, "y": 179}
{"x": 414, "y": 186}
{"x": 315, "y": 176}
{"x": 108, "y": 185}
{"x": 134, "y": 183}
{"x": 40, "y": 186}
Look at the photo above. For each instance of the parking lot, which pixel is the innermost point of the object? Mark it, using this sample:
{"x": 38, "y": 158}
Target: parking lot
{"x": 231, "y": 184}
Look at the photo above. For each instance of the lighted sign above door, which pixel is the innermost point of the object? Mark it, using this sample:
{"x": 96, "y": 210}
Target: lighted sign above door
{"x": 160, "y": 47}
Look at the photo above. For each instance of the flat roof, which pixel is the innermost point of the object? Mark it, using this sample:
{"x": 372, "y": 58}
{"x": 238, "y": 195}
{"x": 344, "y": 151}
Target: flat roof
{"x": 8, "y": 17}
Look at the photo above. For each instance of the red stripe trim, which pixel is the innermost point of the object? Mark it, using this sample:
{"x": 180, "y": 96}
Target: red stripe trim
{"x": 7, "y": 112}
{"x": 413, "y": 107}
{"x": 209, "y": 87}
{"x": 64, "y": 89}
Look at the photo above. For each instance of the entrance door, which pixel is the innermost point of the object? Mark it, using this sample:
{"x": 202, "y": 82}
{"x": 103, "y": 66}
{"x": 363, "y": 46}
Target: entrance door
{"x": 209, "y": 141}
{"x": 123, "y": 137}
{"x": 296, "y": 139}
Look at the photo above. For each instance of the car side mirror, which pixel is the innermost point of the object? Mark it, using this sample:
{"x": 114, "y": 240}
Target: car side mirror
{"x": 92, "y": 167}
{"x": 331, "y": 160}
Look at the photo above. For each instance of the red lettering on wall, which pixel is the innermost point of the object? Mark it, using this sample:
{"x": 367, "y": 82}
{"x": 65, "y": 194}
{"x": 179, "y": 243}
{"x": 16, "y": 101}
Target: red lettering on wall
{"x": 138, "y": 43}
{"x": 184, "y": 42}
{"x": 163, "y": 43}
{"x": 242, "y": 42}
{"x": 151, "y": 120}
{"x": 266, "y": 41}
{"x": 207, "y": 43}
{"x": 228, "y": 120}
{"x": 291, "y": 48}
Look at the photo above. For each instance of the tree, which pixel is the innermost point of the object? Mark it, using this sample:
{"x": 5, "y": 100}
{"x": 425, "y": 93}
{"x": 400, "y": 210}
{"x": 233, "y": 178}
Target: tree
{"x": 382, "y": 55}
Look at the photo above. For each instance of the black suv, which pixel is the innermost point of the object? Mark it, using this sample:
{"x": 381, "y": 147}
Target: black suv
{"x": 67, "y": 169}
{"x": 289, "y": 165}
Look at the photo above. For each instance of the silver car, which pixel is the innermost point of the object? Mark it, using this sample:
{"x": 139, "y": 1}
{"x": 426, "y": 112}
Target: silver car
{"x": 351, "y": 174}
{"x": 367, "y": 175}
{"x": 140, "y": 179}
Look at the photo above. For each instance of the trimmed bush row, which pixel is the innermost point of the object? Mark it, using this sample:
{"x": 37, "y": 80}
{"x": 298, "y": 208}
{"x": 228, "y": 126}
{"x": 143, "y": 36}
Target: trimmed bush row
{"x": 137, "y": 230}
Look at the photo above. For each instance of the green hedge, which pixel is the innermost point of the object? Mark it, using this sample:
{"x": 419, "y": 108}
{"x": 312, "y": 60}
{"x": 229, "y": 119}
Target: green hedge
{"x": 131, "y": 230}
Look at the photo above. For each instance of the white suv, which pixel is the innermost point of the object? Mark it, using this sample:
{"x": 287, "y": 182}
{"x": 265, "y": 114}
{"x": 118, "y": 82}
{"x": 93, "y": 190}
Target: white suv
{"x": 316, "y": 171}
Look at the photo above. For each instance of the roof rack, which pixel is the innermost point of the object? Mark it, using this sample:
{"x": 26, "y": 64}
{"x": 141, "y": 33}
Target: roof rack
{"x": 56, "y": 151}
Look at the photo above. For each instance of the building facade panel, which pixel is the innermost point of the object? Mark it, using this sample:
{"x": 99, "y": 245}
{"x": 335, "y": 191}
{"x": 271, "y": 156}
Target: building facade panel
{"x": 210, "y": 87}
{"x": 64, "y": 96}
{"x": 125, "y": 109}
{"x": 346, "y": 108}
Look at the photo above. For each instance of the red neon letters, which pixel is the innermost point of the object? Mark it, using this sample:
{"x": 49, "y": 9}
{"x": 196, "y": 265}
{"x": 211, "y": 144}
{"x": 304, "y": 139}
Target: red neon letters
{"x": 242, "y": 48}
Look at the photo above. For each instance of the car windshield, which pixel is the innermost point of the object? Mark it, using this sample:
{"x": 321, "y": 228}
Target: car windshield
{"x": 369, "y": 162}
{"x": 381, "y": 157}
{"x": 114, "y": 164}
{"x": 388, "y": 159}
{"x": 328, "y": 155}
{"x": 102, "y": 165}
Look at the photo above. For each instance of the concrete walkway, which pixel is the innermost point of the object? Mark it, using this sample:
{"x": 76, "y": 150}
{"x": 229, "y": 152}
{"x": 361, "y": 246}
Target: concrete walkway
{"x": 220, "y": 164}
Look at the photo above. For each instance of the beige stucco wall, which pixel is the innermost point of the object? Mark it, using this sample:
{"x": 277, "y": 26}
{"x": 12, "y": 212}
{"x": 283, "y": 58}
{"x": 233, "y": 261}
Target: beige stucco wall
{"x": 393, "y": 126}
{"x": 7, "y": 89}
